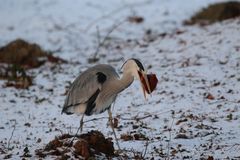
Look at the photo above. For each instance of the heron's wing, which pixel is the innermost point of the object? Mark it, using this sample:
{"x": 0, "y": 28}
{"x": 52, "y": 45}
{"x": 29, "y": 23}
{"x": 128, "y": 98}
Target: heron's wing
{"x": 87, "y": 86}
{"x": 82, "y": 89}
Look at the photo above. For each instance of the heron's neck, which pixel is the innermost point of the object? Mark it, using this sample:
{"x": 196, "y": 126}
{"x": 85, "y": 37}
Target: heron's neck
{"x": 125, "y": 81}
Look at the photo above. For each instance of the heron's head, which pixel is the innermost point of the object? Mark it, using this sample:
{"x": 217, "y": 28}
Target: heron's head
{"x": 135, "y": 68}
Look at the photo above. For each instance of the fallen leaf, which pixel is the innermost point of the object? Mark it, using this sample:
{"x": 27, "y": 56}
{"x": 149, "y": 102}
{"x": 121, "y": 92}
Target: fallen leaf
{"x": 135, "y": 19}
{"x": 210, "y": 96}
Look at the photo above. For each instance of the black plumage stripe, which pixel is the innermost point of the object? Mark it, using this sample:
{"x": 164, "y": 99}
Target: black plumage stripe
{"x": 105, "y": 109}
{"x": 91, "y": 103}
{"x": 65, "y": 109}
{"x": 101, "y": 77}
{"x": 139, "y": 64}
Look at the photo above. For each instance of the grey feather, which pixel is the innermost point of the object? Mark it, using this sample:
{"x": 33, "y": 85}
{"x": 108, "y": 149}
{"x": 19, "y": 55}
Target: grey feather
{"x": 85, "y": 85}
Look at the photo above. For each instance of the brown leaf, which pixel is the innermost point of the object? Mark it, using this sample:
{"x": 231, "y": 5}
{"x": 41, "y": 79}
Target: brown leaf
{"x": 126, "y": 137}
{"x": 181, "y": 120}
{"x": 139, "y": 136}
{"x": 135, "y": 19}
{"x": 152, "y": 79}
{"x": 182, "y": 136}
{"x": 210, "y": 96}
{"x": 115, "y": 123}
{"x": 210, "y": 158}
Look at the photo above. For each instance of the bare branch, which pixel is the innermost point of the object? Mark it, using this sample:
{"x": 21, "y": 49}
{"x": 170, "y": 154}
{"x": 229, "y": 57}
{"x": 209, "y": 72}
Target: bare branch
{"x": 145, "y": 151}
{"x": 112, "y": 13}
{"x": 14, "y": 127}
{"x": 101, "y": 43}
{"x": 170, "y": 138}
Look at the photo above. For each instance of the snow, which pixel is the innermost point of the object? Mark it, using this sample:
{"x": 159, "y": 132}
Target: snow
{"x": 187, "y": 61}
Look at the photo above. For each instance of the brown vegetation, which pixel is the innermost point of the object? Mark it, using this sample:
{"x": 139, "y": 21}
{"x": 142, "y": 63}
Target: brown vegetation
{"x": 26, "y": 55}
{"x": 215, "y": 13}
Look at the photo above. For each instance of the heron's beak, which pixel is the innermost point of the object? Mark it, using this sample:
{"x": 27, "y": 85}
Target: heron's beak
{"x": 144, "y": 83}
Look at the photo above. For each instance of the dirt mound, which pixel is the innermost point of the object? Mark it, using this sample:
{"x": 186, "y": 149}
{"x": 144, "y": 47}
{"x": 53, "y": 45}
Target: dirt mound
{"x": 26, "y": 55}
{"x": 215, "y": 13}
{"x": 20, "y": 55}
{"x": 89, "y": 145}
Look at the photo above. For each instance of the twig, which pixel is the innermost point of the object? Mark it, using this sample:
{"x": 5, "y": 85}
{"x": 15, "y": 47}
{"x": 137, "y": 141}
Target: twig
{"x": 137, "y": 118}
{"x": 71, "y": 142}
{"x": 98, "y": 39}
{"x": 94, "y": 119}
{"x": 237, "y": 144}
{"x": 113, "y": 12}
{"x": 69, "y": 145}
{"x": 14, "y": 127}
{"x": 224, "y": 100}
{"x": 145, "y": 151}
{"x": 170, "y": 138}
{"x": 101, "y": 43}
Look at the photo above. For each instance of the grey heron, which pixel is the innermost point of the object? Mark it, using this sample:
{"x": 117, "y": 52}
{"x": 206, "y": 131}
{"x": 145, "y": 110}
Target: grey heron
{"x": 96, "y": 89}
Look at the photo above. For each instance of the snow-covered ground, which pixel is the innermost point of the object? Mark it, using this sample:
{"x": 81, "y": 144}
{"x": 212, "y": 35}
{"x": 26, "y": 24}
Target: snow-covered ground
{"x": 193, "y": 114}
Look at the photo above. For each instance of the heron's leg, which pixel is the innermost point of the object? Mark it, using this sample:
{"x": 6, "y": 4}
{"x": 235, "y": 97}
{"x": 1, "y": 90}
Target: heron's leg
{"x": 79, "y": 128}
{"x": 111, "y": 124}
{"x": 81, "y": 124}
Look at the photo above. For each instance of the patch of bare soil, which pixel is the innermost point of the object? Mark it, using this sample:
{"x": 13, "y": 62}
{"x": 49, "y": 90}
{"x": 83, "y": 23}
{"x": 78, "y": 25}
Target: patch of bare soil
{"x": 215, "y": 13}
{"x": 85, "y": 146}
